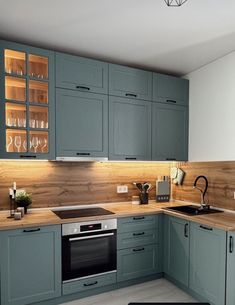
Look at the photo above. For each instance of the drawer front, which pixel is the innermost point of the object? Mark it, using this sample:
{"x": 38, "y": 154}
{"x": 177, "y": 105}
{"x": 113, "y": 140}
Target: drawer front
{"x": 136, "y": 223}
{"x": 137, "y": 262}
{"x": 82, "y": 74}
{"x": 137, "y": 238}
{"x": 89, "y": 283}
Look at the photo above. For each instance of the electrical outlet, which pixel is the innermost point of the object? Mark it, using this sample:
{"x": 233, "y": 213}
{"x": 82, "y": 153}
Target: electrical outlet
{"x": 122, "y": 189}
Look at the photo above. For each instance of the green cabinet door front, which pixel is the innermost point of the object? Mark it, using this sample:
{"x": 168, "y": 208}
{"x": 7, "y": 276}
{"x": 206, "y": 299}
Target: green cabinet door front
{"x": 81, "y": 124}
{"x": 169, "y": 132}
{"x": 30, "y": 265}
{"x": 176, "y": 248}
{"x": 137, "y": 262}
{"x": 170, "y": 89}
{"x": 129, "y": 129}
{"x": 82, "y": 74}
{"x": 130, "y": 82}
{"x": 230, "y": 282}
{"x": 208, "y": 263}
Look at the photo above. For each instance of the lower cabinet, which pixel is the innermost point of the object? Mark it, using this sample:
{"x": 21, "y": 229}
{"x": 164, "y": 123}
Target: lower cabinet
{"x": 30, "y": 265}
{"x": 208, "y": 263}
{"x": 176, "y": 248}
{"x": 230, "y": 287}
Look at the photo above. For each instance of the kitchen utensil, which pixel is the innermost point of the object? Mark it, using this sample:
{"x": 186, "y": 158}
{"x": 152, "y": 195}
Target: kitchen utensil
{"x": 147, "y": 187}
{"x": 139, "y": 186}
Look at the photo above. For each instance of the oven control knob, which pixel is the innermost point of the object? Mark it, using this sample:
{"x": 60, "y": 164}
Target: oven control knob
{"x": 75, "y": 230}
{"x": 105, "y": 226}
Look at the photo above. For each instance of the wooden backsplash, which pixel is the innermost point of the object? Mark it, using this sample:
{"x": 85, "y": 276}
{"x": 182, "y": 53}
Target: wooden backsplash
{"x": 221, "y": 177}
{"x": 64, "y": 183}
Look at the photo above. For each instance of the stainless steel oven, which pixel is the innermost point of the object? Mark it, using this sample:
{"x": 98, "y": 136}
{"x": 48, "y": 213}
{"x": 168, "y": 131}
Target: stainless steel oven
{"x": 88, "y": 248}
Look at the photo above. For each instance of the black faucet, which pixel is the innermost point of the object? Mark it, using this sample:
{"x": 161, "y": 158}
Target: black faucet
{"x": 203, "y": 193}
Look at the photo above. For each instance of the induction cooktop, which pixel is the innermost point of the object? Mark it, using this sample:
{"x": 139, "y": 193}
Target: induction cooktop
{"x": 82, "y": 212}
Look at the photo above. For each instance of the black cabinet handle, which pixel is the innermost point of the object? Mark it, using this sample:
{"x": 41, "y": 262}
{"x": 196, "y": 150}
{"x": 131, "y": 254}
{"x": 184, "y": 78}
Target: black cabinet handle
{"x": 230, "y": 244}
{"x": 131, "y": 95}
{"x": 186, "y": 230}
{"x": 83, "y": 154}
{"x": 83, "y": 88}
{"x": 138, "y": 218}
{"x": 170, "y": 159}
{"x": 138, "y": 234}
{"x": 28, "y": 156}
{"x": 206, "y": 228}
{"x": 32, "y": 230}
{"x": 138, "y": 250}
{"x": 90, "y": 284}
{"x": 171, "y": 101}
{"x": 127, "y": 158}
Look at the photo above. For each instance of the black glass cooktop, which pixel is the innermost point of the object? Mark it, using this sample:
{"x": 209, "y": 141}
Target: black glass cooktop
{"x": 82, "y": 212}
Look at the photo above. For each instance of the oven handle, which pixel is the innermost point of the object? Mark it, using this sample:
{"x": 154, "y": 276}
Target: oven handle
{"x": 90, "y": 237}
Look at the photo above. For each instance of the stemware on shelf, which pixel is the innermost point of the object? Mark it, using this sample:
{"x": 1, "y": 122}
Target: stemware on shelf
{"x": 17, "y": 142}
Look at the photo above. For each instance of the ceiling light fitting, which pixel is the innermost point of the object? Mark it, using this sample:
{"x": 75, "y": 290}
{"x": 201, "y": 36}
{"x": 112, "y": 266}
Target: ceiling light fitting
{"x": 175, "y": 3}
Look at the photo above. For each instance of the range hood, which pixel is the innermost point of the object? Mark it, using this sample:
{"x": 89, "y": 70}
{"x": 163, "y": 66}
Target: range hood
{"x": 82, "y": 159}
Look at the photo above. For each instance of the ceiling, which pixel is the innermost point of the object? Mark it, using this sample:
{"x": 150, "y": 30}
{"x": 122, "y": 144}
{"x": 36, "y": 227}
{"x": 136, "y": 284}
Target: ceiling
{"x": 142, "y": 33}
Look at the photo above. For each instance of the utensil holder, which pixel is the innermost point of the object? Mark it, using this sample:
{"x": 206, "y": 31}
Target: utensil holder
{"x": 144, "y": 198}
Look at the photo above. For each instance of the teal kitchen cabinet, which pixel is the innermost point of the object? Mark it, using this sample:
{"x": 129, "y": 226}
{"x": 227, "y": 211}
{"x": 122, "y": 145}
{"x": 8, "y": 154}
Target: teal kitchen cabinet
{"x": 170, "y": 89}
{"x": 130, "y": 82}
{"x": 27, "y": 108}
{"x": 82, "y": 74}
{"x": 30, "y": 265}
{"x": 230, "y": 281}
{"x": 176, "y": 248}
{"x": 129, "y": 129}
{"x": 169, "y": 132}
{"x": 208, "y": 263}
{"x": 81, "y": 124}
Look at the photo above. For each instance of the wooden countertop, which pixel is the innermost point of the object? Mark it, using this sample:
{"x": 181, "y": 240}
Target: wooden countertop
{"x": 42, "y": 217}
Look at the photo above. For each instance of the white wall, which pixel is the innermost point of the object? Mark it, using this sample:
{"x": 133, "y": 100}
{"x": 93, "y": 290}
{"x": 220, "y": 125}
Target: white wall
{"x": 212, "y": 111}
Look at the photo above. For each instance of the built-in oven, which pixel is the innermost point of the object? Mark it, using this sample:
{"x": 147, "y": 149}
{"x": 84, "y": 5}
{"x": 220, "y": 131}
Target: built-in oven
{"x": 88, "y": 248}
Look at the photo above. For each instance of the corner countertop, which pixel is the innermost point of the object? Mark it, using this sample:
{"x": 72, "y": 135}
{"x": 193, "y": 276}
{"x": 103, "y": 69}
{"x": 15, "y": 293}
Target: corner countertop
{"x": 45, "y": 217}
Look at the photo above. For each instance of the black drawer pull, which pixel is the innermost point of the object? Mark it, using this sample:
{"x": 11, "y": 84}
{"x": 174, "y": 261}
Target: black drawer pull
{"x": 83, "y": 88}
{"x": 138, "y": 250}
{"x": 230, "y": 244}
{"x": 170, "y": 159}
{"x": 83, "y": 154}
{"x": 206, "y": 228}
{"x": 186, "y": 230}
{"x": 131, "y": 95}
{"x": 138, "y": 234}
{"x": 29, "y": 157}
{"x": 32, "y": 230}
{"x": 171, "y": 101}
{"x": 138, "y": 218}
{"x": 130, "y": 158}
{"x": 90, "y": 284}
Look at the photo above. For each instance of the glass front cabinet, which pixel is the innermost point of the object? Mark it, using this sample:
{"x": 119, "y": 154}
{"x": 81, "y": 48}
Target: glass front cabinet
{"x": 27, "y": 101}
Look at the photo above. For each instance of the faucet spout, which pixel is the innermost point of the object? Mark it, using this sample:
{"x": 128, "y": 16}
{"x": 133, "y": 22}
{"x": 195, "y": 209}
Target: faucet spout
{"x": 203, "y": 192}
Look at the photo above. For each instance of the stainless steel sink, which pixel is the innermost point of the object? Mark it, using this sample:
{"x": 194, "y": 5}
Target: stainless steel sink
{"x": 193, "y": 210}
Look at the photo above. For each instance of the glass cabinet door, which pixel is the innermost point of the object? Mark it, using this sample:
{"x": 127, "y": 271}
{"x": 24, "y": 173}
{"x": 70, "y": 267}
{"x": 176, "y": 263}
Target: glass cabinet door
{"x": 27, "y": 101}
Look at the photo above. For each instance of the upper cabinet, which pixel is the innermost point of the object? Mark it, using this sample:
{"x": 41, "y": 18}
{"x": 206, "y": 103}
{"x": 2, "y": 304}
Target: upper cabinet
{"x": 83, "y": 74}
{"x": 26, "y": 102}
{"x": 170, "y": 89}
{"x": 130, "y": 82}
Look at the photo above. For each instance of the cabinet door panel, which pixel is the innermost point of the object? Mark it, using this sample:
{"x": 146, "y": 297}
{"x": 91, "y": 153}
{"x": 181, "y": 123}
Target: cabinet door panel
{"x": 129, "y": 129}
{"x": 169, "y": 132}
{"x": 78, "y": 73}
{"x": 207, "y": 262}
{"x": 81, "y": 124}
{"x": 30, "y": 265}
{"x": 230, "y": 283}
{"x": 130, "y": 82}
{"x": 170, "y": 89}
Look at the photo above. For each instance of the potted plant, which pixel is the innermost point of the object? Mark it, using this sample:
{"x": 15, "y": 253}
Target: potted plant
{"x": 23, "y": 199}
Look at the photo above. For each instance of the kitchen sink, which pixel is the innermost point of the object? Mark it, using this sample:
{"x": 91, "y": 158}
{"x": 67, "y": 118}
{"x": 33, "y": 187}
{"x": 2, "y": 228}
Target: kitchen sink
{"x": 193, "y": 210}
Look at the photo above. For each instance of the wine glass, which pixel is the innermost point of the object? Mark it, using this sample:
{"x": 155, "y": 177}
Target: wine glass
{"x": 25, "y": 145}
{"x": 18, "y": 143}
{"x": 34, "y": 143}
{"x": 10, "y": 140}
{"x": 45, "y": 144}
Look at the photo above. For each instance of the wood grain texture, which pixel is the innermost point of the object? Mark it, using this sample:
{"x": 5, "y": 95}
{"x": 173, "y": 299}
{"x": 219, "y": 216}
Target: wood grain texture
{"x": 65, "y": 183}
{"x": 221, "y": 178}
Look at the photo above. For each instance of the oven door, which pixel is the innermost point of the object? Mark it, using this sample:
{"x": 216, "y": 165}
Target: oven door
{"x": 88, "y": 254}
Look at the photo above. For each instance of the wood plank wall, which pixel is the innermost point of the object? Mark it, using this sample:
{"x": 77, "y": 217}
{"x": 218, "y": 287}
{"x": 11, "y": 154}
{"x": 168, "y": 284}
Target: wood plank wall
{"x": 62, "y": 183}
{"x": 221, "y": 177}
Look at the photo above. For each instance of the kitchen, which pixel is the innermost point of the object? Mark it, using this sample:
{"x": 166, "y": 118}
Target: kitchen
{"x": 142, "y": 118}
